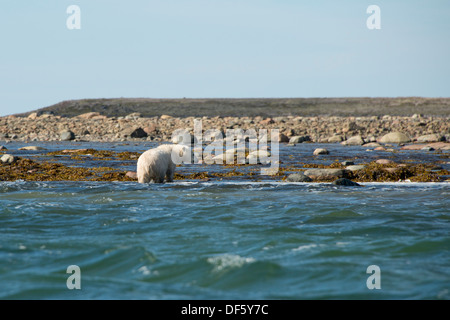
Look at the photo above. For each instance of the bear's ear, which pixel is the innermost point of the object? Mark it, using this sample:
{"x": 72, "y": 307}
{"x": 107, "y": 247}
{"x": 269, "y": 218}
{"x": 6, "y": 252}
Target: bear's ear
{"x": 182, "y": 151}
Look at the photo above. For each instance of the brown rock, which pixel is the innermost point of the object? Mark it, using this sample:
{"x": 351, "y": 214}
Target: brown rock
{"x": 434, "y": 145}
{"x": 88, "y": 115}
{"x": 33, "y": 116}
{"x": 283, "y": 138}
{"x": 384, "y": 161}
{"x": 431, "y": 138}
{"x": 131, "y": 174}
{"x": 151, "y": 128}
{"x": 288, "y": 132}
{"x": 354, "y": 141}
{"x": 391, "y": 170}
{"x": 335, "y": 139}
{"x": 266, "y": 121}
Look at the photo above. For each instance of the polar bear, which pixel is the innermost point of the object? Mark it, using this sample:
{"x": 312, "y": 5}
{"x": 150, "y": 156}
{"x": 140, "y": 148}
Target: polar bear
{"x": 158, "y": 163}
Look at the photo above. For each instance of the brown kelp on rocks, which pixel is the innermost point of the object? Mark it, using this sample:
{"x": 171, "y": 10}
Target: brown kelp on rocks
{"x": 375, "y": 171}
{"x": 29, "y": 170}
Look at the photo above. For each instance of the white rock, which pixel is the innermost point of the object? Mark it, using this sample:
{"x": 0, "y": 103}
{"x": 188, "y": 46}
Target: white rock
{"x": 319, "y": 151}
{"x": 7, "y": 158}
{"x": 395, "y": 137}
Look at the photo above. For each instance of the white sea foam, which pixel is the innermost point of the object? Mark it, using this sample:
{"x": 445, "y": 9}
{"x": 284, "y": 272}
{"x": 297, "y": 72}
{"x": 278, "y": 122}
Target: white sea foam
{"x": 228, "y": 261}
{"x": 305, "y": 247}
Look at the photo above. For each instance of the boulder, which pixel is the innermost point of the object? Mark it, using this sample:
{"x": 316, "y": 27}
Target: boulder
{"x": 298, "y": 177}
{"x": 395, "y": 137}
{"x": 138, "y": 133}
{"x": 88, "y": 115}
{"x": 131, "y": 174}
{"x": 32, "y": 148}
{"x": 283, "y": 138}
{"x": 134, "y": 132}
{"x": 67, "y": 135}
{"x": 354, "y": 141}
{"x": 73, "y": 150}
{"x": 391, "y": 170}
{"x": 320, "y": 151}
{"x": 151, "y": 128}
{"x": 259, "y": 156}
{"x": 266, "y": 121}
{"x": 8, "y": 158}
{"x": 299, "y": 139}
{"x": 372, "y": 145}
{"x": 99, "y": 118}
{"x": 435, "y": 145}
{"x": 335, "y": 139}
{"x": 345, "y": 182}
{"x": 33, "y": 116}
{"x": 3, "y": 148}
{"x": 355, "y": 167}
{"x": 431, "y": 138}
{"x": 326, "y": 174}
{"x": 133, "y": 116}
{"x": 288, "y": 132}
{"x": 384, "y": 161}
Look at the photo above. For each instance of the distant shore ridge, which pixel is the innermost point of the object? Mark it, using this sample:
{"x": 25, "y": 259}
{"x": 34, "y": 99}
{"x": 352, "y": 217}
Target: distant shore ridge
{"x": 250, "y": 107}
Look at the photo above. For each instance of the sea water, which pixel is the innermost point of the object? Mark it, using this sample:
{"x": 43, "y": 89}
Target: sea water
{"x": 224, "y": 240}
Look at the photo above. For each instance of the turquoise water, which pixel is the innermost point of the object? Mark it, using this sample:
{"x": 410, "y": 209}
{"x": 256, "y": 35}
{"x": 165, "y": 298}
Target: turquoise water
{"x": 224, "y": 240}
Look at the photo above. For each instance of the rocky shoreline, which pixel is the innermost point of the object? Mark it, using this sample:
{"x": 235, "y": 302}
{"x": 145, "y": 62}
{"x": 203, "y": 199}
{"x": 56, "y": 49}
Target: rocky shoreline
{"x": 344, "y": 173}
{"x": 93, "y": 126}
{"x": 388, "y": 134}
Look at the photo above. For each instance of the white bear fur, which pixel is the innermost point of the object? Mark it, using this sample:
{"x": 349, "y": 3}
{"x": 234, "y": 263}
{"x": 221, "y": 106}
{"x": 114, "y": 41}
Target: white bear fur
{"x": 156, "y": 164}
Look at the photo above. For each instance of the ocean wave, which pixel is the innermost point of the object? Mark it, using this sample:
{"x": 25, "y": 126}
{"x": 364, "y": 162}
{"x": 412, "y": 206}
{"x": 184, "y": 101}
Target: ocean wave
{"x": 228, "y": 261}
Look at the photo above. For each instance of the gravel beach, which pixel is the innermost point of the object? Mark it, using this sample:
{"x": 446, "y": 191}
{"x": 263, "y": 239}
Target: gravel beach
{"x": 93, "y": 126}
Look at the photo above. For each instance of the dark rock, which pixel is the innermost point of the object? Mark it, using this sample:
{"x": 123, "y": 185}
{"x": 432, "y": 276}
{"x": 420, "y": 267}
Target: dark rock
{"x": 299, "y": 139}
{"x": 298, "y": 177}
{"x": 138, "y": 133}
{"x": 327, "y": 174}
{"x": 283, "y": 138}
{"x": 347, "y": 163}
{"x": 345, "y": 182}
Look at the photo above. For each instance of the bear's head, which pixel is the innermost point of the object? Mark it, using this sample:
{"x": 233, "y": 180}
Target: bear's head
{"x": 182, "y": 154}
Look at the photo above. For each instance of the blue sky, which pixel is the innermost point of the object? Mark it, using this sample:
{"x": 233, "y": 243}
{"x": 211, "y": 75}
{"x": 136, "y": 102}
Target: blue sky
{"x": 221, "y": 48}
